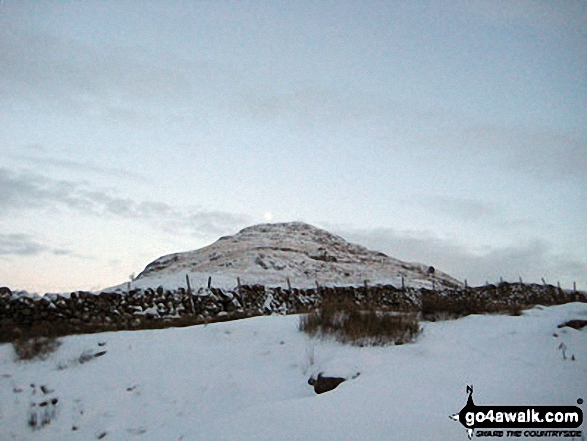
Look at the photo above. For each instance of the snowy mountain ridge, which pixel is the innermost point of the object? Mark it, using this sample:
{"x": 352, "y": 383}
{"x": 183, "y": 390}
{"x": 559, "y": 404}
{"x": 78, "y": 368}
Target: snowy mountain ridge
{"x": 271, "y": 254}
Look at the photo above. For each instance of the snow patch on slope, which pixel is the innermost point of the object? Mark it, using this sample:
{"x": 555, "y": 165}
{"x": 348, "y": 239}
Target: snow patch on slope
{"x": 270, "y": 254}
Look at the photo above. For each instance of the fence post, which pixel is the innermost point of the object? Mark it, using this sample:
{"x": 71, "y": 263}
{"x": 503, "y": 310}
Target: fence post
{"x": 403, "y": 285}
{"x": 241, "y": 295}
{"x": 543, "y": 281}
{"x": 288, "y": 284}
{"x": 575, "y": 286}
{"x": 209, "y": 282}
{"x": 187, "y": 279}
{"x": 521, "y": 281}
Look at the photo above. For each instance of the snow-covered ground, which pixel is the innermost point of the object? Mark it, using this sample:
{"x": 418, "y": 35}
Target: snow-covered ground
{"x": 247, "y": 380}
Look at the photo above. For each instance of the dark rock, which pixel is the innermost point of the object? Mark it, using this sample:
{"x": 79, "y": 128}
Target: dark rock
{"x": 325, "y": 384}
{"x": 575, "y": 324}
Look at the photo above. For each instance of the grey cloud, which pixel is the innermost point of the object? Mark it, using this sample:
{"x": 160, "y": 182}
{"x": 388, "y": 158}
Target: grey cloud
{"x": 544, "y": 154}
{"x": 116, "y": 83}
{"x": 313, "y": 106}
{"x": 211, "y": 223}
{"x": 543, "y": 15}
{"x": 31, "y": 191}
{"x": 71, "y": 165}
{"x": 307, "y": 105}
{"x": 531, "y": 261}
{"x": 35, "y": 147}
{"x": 461, "y": 208}
{"x": 24, "y": 245}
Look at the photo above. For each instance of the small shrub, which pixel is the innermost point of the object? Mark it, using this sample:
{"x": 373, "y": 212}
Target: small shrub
{"x": 343, "y": 320}
{"x": 35, "y": 348}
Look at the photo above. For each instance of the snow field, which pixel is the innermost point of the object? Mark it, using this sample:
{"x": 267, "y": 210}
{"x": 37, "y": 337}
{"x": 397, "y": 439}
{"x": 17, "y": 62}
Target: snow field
{"x": 247, "y": 380}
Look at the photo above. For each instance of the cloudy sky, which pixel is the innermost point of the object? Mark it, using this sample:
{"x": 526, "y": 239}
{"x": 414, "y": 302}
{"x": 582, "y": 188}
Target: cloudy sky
{"x": 448, "y": 133}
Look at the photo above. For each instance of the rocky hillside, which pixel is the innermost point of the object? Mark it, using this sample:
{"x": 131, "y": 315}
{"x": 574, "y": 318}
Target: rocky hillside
{"x": 272, "y": 254}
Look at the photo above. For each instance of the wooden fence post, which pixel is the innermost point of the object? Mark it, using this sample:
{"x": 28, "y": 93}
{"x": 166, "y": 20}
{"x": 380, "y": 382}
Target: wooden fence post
{"x": 288, "y": 284}
{"x": 240, "y": 293}
{"x": 187, "y": 279}
{"x": 209, "y": 282}
{"x": 543, "y": 281}
{"x": 403, "y": 285}
{"x": 575, "y": 286}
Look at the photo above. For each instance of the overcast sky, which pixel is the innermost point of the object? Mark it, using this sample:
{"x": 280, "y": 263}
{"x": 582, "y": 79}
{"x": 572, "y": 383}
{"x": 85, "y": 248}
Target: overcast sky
{"x": 448, "y": 133}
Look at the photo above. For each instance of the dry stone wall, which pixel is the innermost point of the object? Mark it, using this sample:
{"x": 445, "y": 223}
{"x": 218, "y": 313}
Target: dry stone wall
{"x": 86, "y": 312}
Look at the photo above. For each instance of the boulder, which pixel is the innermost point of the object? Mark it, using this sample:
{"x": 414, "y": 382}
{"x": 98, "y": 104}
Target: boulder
{"x": 325, "y": 384}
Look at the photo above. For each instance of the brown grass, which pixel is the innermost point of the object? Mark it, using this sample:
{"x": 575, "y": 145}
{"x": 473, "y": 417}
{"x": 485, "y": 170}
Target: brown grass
{"x": 35, "y": 348}
{"x": 343, "y": 320}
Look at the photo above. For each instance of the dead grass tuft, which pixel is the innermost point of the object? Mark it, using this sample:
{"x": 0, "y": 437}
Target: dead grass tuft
{"x": 35, "y": 348}
{"x": 343, "y": 319}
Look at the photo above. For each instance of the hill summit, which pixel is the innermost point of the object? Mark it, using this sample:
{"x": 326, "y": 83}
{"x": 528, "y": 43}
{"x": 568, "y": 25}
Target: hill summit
{"x": 272, "y": 254}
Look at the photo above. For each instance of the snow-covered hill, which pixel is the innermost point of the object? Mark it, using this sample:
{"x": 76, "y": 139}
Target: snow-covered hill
{"x": 269, "y": 254}
{"x": 247, "y": 380}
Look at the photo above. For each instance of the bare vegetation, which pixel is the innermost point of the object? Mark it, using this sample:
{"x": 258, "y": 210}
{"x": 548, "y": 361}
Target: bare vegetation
{"x": 344, "y": 320}
{"x": 35, "y": 348}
